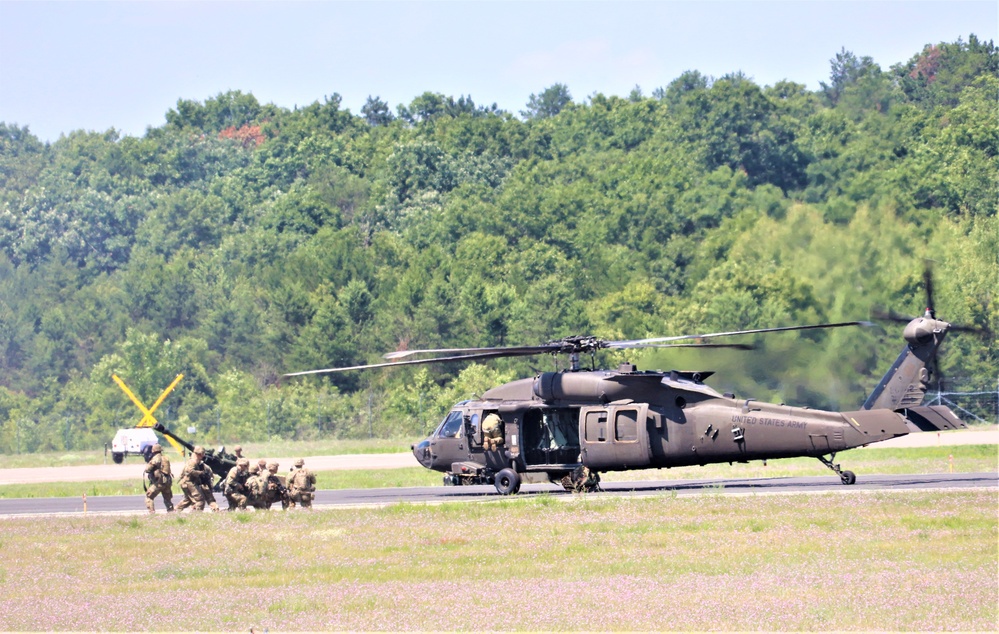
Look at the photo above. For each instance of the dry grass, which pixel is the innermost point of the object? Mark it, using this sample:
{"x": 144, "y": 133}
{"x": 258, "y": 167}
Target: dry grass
{"x": 885, "y": 561}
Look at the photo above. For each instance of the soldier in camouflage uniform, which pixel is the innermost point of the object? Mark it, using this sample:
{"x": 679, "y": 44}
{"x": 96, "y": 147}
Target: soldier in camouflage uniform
{"x": 235, "y": 488}
{"x": 192, "y": 483}
{"x": 301, "y": 486}
{"x": 160, "y": 480}
{"x": 492, "y": 432}
{"x": 254, "y": 488}
{"x": 274, "y": 488}
{"x": 238, "y": 451}
{"x": 582, "y": 480}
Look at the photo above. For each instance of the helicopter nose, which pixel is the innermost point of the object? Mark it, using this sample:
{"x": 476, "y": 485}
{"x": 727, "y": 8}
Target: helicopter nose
{"x": 422, "y": 452}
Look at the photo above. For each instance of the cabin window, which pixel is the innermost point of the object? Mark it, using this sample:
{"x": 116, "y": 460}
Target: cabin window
{"x": 451, "y": 426}
{"x": 596, "y": 426}
{"x": 626, "y": 426}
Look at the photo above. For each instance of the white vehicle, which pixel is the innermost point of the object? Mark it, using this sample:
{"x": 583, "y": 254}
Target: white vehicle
{"x": 135, "y": 441}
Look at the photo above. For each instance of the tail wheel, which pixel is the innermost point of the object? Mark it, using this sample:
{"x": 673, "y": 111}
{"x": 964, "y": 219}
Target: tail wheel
{"x": 507, "y": 482}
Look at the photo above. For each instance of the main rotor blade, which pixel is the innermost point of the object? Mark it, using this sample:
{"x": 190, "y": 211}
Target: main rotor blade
{"x": 514, "y": 350}
{"x": 879, "y": 312}
{"x": 467, "y": 357}
{"x": 734, "y": 346}
{"x": 635, "y": 343}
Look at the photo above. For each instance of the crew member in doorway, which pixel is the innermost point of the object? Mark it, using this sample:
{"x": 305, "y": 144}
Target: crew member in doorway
{"x": 492, "y": 432}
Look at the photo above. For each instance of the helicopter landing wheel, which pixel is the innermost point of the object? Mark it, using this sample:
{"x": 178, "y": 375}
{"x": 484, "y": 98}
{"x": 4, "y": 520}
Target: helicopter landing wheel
{"x": 507, "y": 481}
{"x": 846, "y": 477}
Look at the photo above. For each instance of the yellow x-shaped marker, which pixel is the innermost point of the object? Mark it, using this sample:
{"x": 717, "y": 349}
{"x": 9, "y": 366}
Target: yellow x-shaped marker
{"x": 148, "y": 420}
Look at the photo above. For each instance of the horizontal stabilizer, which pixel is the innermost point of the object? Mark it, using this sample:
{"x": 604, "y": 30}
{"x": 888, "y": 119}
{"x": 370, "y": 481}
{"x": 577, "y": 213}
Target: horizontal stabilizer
{"x": 931, "y": 418}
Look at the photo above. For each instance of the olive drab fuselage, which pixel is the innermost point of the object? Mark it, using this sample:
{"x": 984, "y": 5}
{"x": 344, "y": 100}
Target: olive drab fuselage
{"x": 615, "y": 420}
{"x": 620, "y": 420}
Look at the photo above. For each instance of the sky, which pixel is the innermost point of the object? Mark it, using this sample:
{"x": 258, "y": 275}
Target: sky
{"x": 66, "y": 66}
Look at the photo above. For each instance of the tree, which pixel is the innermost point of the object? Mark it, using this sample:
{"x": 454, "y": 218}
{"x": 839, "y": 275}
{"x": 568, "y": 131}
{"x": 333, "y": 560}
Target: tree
{"x": 227, "y": 109}
{"x": 846, "y": 69}
{"x": 420, "y": 166}
{"x": 689, "y": 81}
{"x": 22, "y": 157}
{"x": 549, "y": 103}
{"x": 938, "y": 74}
{"x": 376, "y": 112}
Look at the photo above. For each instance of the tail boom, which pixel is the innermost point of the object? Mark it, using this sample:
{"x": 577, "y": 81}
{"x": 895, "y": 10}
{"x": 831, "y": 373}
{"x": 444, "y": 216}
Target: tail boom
{"x": 904, "y": 385}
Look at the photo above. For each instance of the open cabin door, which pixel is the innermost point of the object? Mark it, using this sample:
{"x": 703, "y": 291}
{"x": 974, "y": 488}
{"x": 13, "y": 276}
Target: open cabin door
{"x": 614, "y": 437}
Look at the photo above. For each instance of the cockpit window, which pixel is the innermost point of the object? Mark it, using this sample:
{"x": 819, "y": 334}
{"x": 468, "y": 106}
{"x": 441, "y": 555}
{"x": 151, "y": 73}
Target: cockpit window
{"x": 451, "y": 426}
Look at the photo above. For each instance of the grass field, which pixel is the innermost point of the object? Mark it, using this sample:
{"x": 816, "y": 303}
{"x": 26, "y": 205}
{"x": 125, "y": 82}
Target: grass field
{"x": 905, "y": 560}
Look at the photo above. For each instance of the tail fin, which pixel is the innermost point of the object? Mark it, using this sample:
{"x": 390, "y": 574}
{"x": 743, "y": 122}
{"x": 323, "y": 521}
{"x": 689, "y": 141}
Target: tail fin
{"x": 904, "y": 385}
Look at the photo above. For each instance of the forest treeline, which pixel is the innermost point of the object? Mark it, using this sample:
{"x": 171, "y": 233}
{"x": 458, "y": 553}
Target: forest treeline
{"x": 241, "y": 241}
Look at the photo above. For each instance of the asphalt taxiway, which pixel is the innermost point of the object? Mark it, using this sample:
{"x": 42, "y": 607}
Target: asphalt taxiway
{"x": 330, "y": 499}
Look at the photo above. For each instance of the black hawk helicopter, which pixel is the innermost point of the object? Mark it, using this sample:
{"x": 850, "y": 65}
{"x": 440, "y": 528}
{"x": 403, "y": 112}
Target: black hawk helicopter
{"x": 568, "y": 426}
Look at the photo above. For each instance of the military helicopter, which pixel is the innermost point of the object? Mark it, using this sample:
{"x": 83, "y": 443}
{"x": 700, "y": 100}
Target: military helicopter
{"x": 568, "y": 426}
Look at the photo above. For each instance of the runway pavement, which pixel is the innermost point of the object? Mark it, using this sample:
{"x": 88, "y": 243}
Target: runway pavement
{"x": 133, "y": 466}
{"x": 354, "y": 498}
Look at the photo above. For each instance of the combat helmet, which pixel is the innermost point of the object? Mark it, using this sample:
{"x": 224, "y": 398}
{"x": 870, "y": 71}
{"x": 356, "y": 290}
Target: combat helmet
{"x": 156, "y": 448}
{"x": 300, "y": 462}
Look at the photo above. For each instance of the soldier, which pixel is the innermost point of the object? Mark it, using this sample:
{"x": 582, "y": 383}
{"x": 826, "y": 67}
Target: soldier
{"x": 160, "y": 480}
{"x": 192, "y": 480}
{"x": 235, "y": 489}
{"x": 301, "y": 486}
{"x": 274, "y": 490}
{"x": 238, "y": 451}
{"x": 492, "y": 432}
{"x": 254, "y": 488}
